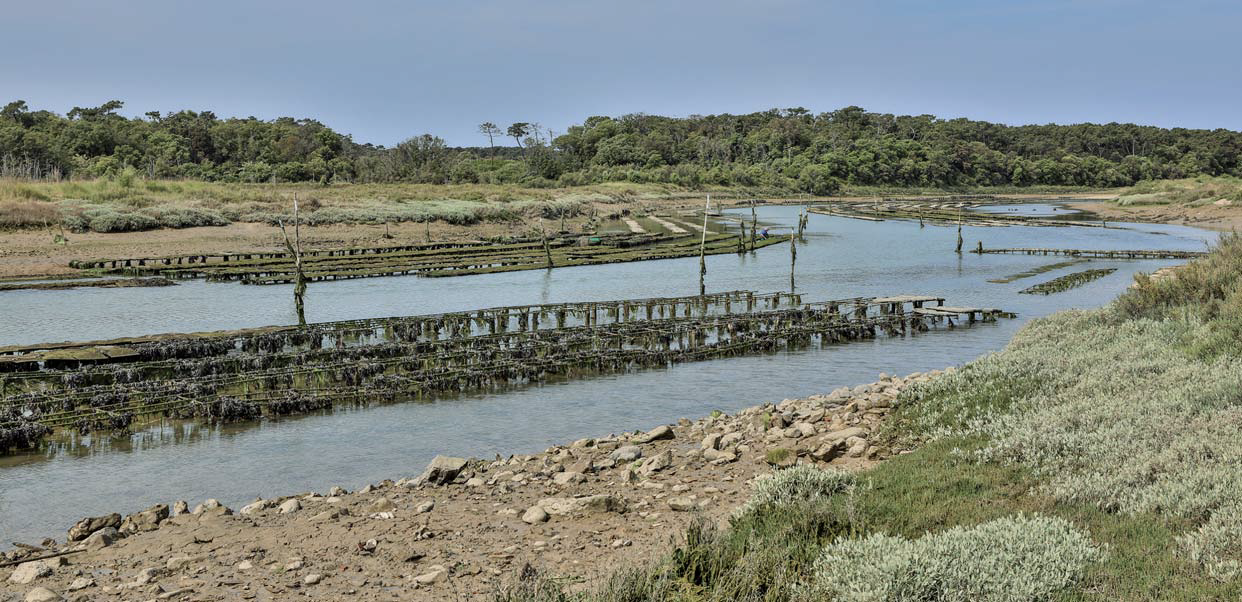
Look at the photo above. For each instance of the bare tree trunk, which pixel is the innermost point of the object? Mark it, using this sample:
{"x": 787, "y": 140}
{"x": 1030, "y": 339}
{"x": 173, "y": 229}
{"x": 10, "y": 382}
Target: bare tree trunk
{"x": 754, "y": 222}
{"x": 295, "y": 249}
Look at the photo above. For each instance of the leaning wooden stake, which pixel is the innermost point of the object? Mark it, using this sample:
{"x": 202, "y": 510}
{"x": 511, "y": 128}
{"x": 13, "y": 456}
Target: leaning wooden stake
{"x": 427, "y": 225}
{"x": 703, "y": 250}
{"x": 959, "y": 232}
{"x": 547, "y": 250}
{"x": 754, "y": 222}
{"x": 793, "y": 259}
{"x": 295, "y": 249}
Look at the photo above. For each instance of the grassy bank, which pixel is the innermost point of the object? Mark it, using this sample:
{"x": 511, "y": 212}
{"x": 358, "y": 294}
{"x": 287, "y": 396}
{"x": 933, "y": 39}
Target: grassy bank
{"x": 126, "y": 202}
{"x": 1193, "y": 192}
{"x": 1097, "y": 457}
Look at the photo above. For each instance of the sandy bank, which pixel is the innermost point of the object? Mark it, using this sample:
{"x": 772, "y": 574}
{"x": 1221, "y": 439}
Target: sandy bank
{"x": 463, "y": 527}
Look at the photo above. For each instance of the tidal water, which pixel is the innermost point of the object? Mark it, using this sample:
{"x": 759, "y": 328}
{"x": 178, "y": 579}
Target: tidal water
{"x": 42, "y": 494}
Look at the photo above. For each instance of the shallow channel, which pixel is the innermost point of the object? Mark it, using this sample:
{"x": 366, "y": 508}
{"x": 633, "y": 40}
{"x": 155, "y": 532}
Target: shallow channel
{"x": 42, "y": 494}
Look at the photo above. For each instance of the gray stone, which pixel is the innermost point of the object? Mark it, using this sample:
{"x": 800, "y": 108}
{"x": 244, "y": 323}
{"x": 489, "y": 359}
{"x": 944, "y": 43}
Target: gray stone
{"x": 80, "y": 583}
{"x": 425, "y": 507}
{"x": 535, "y": 515}
{"x": 681, "y": 504}
{"x": 711, "y": 441}
{"x": 565, "y": 478}
{"x": 147, "y": 520}
{"x": 582, "y": 505}
{"x": 828, "y": 451}
{"x": 436, "y": 574}
{"x": 42, "y": 594}
{"x": 312, "y": 579}
{"x": 101, "y": 539}
{"x": 656, "y": 463}
{"x": 442, "y": 470}
{"x": 86, "y": 526}
{"x": 719, "y": 457}
{"x": 180, "y": 507}
{"x": 290, "y": 506}
{"x": 28, "y": 572}
{"x": 658, "y": 433}
{"x": 626, "y": 453}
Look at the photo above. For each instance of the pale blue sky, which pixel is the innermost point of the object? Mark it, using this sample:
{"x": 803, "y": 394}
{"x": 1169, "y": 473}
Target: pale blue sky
{"x": 385, "y": 70}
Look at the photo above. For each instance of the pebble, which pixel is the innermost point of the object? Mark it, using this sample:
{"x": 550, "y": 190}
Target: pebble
{"x": 312, "y": 579}
{"x": 535, "y": 515}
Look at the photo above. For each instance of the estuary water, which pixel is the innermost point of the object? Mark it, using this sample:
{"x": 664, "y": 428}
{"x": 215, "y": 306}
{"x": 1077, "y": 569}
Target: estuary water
{"x": 43, "y": 493}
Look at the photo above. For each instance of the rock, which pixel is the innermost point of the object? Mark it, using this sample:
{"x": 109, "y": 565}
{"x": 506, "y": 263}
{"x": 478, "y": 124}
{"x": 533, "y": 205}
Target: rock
{"x": 846, "y": 433}
{"x": 180, "y": 507}
{"x": 565, "y": 478}
{"x": 828, "y": 451}
{"x": 294, "y": 565}
{"x": 658, "y": 433}
{"x": 382, "y": 505}
{"x": 245, "y": 565}
{"x": 42, "y": 594}
{"x": 80, "y": 583}
{"x": 681, "y": 504}
{"x": 582, "y": 443}
{"x": 656, "y": 463}
{"x": 535, "y": 515}
{"x": 425, "y": 507}
{"x": 146, "y": 576}
{"x": 626, "y": 453}
{"x": 436, "y": 574}
{"x": 729, "y": 439}
{"x": 312, "y": 579}
{"x": 369, "y": 488}
{"x": 290, "y": 506}
{"x": 101, "y": 539}
{"x": 86, "y": 526}
{"x": 147, "y": 520}
{"x": 442, "y": 470}
{"x": 475, "y": 482}
{"x": 804, "y": 429}
{"x": 210, "y": 504}
{"x": 719, "y": 457}
{"x": 337, "y": 492}
{"x": 28, "y": 572}
{"x": 582, "y": 505}
{"x": 857, "y": 446}
{"x": 256, "y": 506}
{"x": 711, "y": 441}
{"x": 177, "y": 563}
{"x": 584, "y": 466}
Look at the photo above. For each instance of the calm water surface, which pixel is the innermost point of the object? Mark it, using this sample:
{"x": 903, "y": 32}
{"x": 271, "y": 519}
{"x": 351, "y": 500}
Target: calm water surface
{"x": 42, "y": 494}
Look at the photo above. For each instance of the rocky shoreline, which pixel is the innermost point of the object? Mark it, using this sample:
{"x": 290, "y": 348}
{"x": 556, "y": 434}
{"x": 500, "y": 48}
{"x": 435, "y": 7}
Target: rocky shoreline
{"x": 464, "y": 526}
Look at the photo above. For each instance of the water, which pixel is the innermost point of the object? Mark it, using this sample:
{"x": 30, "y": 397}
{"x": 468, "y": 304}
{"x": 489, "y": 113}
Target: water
{"x": 42, "y": 494}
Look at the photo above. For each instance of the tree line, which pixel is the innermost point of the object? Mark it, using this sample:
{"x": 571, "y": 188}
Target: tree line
{"x": 788, "y": 149}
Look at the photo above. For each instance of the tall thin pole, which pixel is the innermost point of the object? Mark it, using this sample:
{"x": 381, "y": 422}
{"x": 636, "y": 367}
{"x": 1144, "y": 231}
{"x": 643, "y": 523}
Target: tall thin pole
{"x": 546, "y": 249}
{"x": 299, "y": 286}
{"x": 959, "y": 232}
{"x": 793, "y": 259}
{"x": 703, "y": 249}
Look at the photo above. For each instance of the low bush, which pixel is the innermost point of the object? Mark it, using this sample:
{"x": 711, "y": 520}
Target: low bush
{"x": 797, "y": 485}
{"x": 1014, "y": 559}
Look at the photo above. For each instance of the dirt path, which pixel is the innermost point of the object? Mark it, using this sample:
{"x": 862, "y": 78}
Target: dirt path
{"x": 579, "y": 511}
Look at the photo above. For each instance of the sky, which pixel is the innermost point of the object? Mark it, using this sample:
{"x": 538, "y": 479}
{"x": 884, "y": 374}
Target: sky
{"x": 383, "y": 71}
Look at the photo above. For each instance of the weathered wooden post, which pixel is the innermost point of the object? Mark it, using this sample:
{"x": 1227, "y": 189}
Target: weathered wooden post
{"x": 958, "y": 249}
{"x": 703, "y": 249}
{"x": 546, "y": 249}
{"x": 793, "y": 259}
{"x": 754, "y": 222}
{"x": 299, "y": 287}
